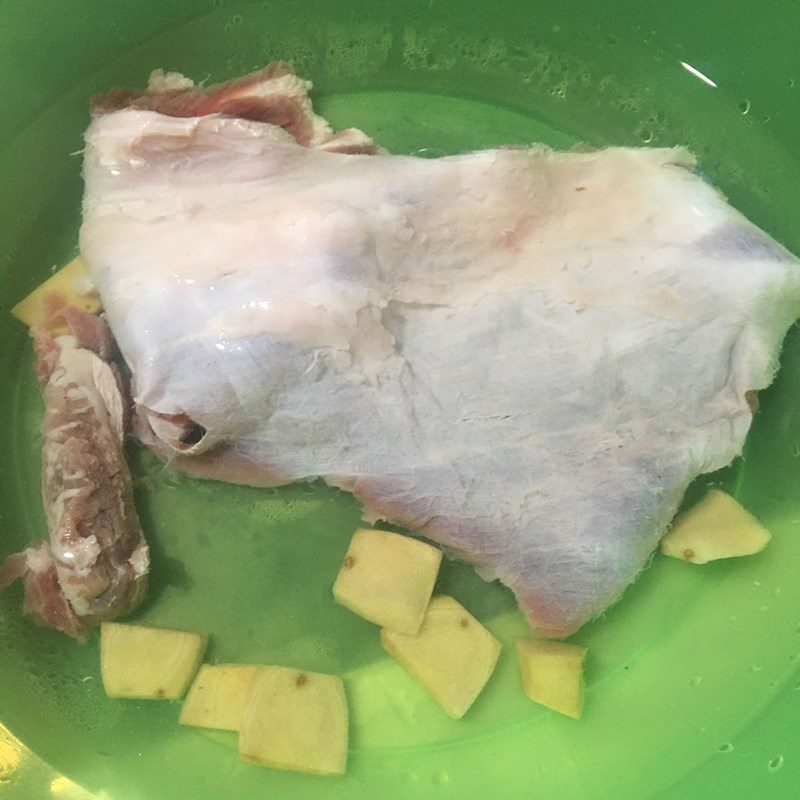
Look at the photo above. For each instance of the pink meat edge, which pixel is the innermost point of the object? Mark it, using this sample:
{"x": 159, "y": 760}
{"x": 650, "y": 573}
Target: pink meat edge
{"x": 544, "y": 618}
{"x": 247, "y": 97}
{"x": 90, "y": 330}
{"x": 221, "y": 462}
{"x": 44, "y": 601}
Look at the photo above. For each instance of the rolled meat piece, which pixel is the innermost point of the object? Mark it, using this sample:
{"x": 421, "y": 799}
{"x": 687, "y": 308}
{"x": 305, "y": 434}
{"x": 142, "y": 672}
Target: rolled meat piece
{"x": 94, "y": 565}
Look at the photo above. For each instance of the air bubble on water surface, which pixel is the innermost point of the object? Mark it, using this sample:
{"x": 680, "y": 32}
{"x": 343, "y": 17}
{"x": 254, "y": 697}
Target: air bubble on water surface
{"x": 744, "y": 106}
{"x": 725, "y": 747}
{"x": 441, "y": 779}
{"x": 775, "y": 764}
{"x": 628, "y": 103}
{"x": 646, "y": 135}
{"x": 236, "y": 19}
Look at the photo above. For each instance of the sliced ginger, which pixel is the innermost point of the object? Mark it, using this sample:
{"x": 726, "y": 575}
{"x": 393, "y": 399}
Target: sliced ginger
{"x": 295, "y": 720}
{"x": 452, "y": 656}
{"x": 716, "y": 527}
{"x": 552, "y": 674}
{"x": 218, "y": 695}
{"x": 148, "y": 663}
{"x": 72, "y": 283}
{"x": 388, "y": 579}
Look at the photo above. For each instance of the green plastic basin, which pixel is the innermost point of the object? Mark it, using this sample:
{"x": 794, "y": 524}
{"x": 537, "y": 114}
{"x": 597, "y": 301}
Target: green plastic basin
{"x": 693, "y": 683}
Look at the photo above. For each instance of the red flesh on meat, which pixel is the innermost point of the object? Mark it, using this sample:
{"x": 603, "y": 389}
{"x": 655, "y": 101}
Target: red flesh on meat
{"x": 274, "y": 95}
{"x": 94, "y": 566}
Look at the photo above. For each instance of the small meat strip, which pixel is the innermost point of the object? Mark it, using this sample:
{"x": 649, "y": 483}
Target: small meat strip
{"x": 95, "y": 565}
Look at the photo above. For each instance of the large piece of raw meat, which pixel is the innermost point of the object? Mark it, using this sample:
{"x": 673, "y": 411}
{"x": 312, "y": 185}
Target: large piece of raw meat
{"x": 524, "y": 355}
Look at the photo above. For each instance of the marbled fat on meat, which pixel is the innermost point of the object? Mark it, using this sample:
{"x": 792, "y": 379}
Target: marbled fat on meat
{"x": 94, "y": 565}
